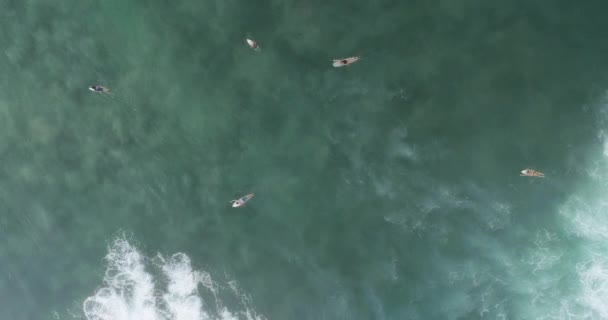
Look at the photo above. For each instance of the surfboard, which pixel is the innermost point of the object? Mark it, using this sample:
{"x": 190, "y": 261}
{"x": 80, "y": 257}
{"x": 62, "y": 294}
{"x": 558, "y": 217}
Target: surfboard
{"x": 338, "y": 63}
{"x": 253, "y": 45}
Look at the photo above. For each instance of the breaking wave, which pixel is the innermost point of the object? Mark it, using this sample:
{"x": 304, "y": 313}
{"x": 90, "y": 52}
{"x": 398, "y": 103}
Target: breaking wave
{"x": 139, "y": 288}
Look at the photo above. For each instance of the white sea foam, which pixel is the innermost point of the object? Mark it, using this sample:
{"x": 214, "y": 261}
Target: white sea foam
{"x": 131, "y": 292}
{"x": 593, "y": 276}
{"x": 585, "y": 215}
{"x": 545, "y": 254}
{"x": 590, "y": 223}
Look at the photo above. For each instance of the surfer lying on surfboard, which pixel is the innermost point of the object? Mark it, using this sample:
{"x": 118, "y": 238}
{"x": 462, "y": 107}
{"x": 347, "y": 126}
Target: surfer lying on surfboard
{"x": 532, "y": 173}
{"x": 345, "y": 62}
{"x": 99, "y": 89}
{"x": 241, "y": 201}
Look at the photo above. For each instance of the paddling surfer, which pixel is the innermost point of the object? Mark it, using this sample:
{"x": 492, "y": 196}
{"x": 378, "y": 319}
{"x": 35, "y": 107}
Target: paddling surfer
{"x": 99, "y": 89}
{"x": 532, "y": 173}
{"x": 241, "y": 201}
{"x": 345, "y": 62}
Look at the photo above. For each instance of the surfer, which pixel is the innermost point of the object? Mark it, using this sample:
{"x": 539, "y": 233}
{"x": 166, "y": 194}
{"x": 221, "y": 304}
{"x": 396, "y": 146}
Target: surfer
{"x": 253, "y": 45}
{"x": 241, "y": 201}
{"x": 532, "y": 173}
{"x": 99, "y": 89}
{"x": 345, "y": 62}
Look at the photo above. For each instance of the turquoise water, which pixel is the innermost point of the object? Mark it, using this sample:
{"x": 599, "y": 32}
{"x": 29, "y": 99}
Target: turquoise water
{"x": 385, "y": 190}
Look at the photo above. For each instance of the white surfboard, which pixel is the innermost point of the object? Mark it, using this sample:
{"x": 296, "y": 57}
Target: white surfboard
{"x": 253, "y": 45}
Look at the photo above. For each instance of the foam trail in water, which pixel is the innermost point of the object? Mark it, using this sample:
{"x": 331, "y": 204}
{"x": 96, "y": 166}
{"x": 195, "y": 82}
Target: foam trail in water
{"x": 131, "y": 292}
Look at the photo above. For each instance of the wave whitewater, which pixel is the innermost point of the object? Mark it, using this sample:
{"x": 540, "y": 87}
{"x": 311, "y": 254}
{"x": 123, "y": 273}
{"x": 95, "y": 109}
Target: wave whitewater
{"x": 138, "y": 288}
{"x": 585, "y": 217}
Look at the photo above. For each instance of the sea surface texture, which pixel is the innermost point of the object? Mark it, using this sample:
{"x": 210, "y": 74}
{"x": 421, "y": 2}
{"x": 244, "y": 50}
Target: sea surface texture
{"x": 388, "y": 189}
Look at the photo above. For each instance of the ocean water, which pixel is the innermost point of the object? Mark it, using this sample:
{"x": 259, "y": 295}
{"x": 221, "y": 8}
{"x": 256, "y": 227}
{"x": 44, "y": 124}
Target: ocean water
{"x": 389, "y": 189}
